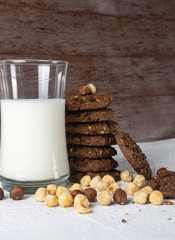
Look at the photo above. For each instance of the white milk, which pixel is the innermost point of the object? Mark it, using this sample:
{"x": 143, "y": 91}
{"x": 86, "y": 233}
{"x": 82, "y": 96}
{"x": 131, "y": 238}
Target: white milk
{"x": 33, "y": 141}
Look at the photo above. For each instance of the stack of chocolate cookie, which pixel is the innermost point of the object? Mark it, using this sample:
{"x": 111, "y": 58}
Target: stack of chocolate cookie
{"x": 90, "y": 134}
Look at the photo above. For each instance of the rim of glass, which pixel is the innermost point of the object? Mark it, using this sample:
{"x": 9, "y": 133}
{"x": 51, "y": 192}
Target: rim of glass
{"x": 33, "y": 61}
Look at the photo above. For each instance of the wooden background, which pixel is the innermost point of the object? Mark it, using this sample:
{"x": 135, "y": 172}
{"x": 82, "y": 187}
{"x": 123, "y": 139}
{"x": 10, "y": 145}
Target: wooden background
{"x": 126, "y": 48}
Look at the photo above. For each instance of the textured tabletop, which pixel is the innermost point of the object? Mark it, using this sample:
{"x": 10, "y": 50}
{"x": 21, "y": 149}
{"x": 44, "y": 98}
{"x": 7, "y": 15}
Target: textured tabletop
{"x": 27, "y": 219}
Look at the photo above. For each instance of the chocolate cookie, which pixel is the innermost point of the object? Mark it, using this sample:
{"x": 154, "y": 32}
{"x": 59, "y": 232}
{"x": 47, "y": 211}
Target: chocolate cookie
{"x": 164, "y": 182}
{"x": 92, "y": 165}
{"x": 98, "y": 128}
{"x": 90, "y": 152}
{"x": 87, "y": 102}
{"x": 76, "y": 176}
{"x": 85, "y": 140}
{"x": 90, "y": 116}
{"x": 133, "y": 154}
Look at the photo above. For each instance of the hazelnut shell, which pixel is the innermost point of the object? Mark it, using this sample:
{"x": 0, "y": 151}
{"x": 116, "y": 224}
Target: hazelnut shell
{"x": 16, "y": 192}
{"x": 90, "y": 193}
{"x": 120, "y": 196}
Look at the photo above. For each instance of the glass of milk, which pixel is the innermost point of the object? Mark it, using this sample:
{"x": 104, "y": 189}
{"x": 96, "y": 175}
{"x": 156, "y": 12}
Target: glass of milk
{"x": 33, "y": 142}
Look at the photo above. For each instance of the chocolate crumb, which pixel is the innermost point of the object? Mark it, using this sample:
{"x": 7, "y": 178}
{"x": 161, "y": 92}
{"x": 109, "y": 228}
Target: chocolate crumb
{"x": 123, "y": 221}
{"x": 169, "y": 218}
{"x": 169, "y": 203}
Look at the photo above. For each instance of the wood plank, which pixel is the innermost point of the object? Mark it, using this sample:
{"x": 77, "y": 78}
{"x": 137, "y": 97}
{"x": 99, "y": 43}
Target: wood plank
{"x": 146, "y": 118}
{"x": 105, "y": 7}
{"x": 81, "y": 34}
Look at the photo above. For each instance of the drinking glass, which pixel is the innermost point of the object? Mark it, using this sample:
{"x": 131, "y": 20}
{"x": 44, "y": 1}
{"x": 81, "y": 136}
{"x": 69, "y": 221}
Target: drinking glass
{"x": 33, "y": 141}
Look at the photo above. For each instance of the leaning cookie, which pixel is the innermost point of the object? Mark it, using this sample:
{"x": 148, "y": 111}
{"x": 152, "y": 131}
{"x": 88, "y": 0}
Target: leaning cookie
{"x": 92, "y": 165}
{"x": 98, "y": 128}
{"x": 87, "y": 102}
{"x": 91, "y": 140}
{"x": 76, "y": 176}
{"x": 90, "y": 152}
{"x": 89, "y": 116}
{"x": 133, "y": 154}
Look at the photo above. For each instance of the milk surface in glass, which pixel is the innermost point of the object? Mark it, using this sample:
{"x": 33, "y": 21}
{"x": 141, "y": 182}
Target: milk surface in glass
{"x": 33, "y": 141}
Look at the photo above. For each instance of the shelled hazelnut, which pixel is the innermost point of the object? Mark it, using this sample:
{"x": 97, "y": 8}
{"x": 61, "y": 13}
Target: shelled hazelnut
{"x": 140, "y": 181}
{"x": 131, "y": 188}
{"x": 85, "y": 181}
{"x": 147, "y": 189}
{"x": 112, "y": 187}
{"x": 76, "y": 186}
{"x": 40, "y": 194}
{"x": 61, "y": 190}
{"x": 101, "y": 186}
{"x": 156, "y": 197}
{"x": 94, "y": 181}
{"x": 140, "y": 197}
{"x": 126, "y": 176}
{"x": 81, "y": 204}
{"x": 108, "y": 179}
{"x": 65, "y": 200}
{"x": 93, "y": 88}
{"x": 104, "y": 198}
{"x": 51, "y": 201}
{"x": 52, "y": 188}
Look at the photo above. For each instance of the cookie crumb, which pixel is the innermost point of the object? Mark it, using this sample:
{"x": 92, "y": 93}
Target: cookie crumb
{"x": 124, "y": 221}
{"x": 169, "y": 218}
{"x": 169, "y": 203}
{"x": 126, "y": 213}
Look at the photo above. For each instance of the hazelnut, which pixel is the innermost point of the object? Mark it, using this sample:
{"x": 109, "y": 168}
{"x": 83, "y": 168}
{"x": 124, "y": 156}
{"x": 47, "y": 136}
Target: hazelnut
{"x": 75, "y": 192}
{"x": 76, "y": 186}
{"x": 120, "y": 196}
{"x": 85, "y": 181}
{"x": 40, "y": 194}
{"x": 90, "y": 193}
{"x": 140, "y": 197}
{"x": 51, "y": 201}
{"x": 84, "y": 89}
{"x": 112, "y": 187}
{"x": 61, "y": 190}
{"x": 160, "y": 170}
{"x": 140, "y": 181}
{"x": 147, "y": 189}
{"x": 65, "y": 200}
{"x": 16, "y": 192}
{"x": 94, "y": 181}
{"x": 81, "y": 204}
{"x": 92, "y": 87}
{"x": 108, "y": 179}
{"x": 101, "y": 186}
{"x": 52, "y": 188}
{"x": 104, "y": 198}
{"x": 1, "y": 194}
{"x": 126, "y": 176}
{"x": 131, "y": 188}
{"x": 156, "y": 197}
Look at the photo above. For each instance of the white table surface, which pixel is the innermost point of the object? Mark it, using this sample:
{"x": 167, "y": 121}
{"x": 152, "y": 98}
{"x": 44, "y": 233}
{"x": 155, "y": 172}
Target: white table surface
{"x": 27, "y": 219}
